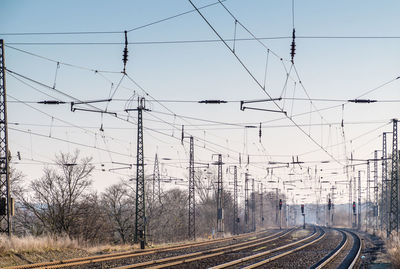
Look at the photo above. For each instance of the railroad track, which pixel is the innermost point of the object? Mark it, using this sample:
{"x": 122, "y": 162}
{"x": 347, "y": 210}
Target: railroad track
{"x": 283, "y": 249}
{"x": 303, "y": 255}
{"x": 331, "y": 260}
{"x": 192, "y": 260}
{"x": 92, "y": 260}
{"x": 354, "y": 253}
{"x": 207, "y": 258}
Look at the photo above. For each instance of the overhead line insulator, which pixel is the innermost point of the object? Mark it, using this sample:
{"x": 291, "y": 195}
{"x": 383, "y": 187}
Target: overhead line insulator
{"x": 362, "y": 101}
{"x": 213, "y": 102}
{"x": 125, "y": 54}
{"x": 51, "y": 102}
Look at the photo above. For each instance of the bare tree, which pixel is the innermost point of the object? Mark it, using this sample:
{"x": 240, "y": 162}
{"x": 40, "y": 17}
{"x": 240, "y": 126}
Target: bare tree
{"x": 120, "y": 208}
{"x": 54, "y": 199}
{"x": 91, "y": 224}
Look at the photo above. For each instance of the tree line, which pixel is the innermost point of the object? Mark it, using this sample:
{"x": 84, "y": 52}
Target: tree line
{"x": 63, "y": 202}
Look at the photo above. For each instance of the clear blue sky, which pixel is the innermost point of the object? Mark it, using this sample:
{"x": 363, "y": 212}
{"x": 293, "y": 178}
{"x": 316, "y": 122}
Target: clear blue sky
{"x": 329, "y": 68}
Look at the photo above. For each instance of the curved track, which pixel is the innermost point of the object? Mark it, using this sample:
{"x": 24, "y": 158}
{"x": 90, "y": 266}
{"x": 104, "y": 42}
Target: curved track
{"x": 333, "y": 254}
{"x": 349, "y": 253}
{"x": 354, "y": 254}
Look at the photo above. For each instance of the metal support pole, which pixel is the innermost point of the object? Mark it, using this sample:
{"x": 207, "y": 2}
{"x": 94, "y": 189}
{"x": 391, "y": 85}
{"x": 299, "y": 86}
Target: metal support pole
{"x": 277, "y": 206}
{"x": 235, "y": 202}
{"x": 253, "y": 207}
{"x": 384, "y": 199}
{"x": 246, "y": 202}
{"x": 280, "y": 218}
{"x": 261, "y": 205}
{"x": 359, "y": 202}
{"x": 350, "y": 202}
{"x": 220, "y": 212}
{"x": 5, "y": 195}
{"x": 140, "y": 217}
{"x": 394, "y": 186}
{"x": 156, "y": 181}
{"x": 368, "y": 202}
{"x": 333, "y": 206}
{"x": 376, "y": 189}
{"x": 192, "y": 197}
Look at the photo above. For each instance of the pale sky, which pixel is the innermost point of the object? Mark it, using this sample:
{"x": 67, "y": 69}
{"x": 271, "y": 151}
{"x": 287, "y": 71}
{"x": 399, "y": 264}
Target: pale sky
{"x": 328, "y": 65}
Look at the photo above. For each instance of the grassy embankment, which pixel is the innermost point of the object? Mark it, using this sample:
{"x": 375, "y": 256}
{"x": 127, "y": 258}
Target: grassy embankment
{"x": 29, "y": 249}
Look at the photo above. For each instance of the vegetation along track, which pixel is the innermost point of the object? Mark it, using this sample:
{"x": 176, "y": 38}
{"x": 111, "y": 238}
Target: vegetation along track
{"x": 93, "y": 261}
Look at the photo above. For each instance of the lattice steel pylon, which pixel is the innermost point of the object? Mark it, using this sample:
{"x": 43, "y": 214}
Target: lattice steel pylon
{"x": 253, "y": 206}
{"x": 246, "y": 202}
{"x": 140, "y": 216}
{"x": 156, "y": 181}
{"x": 394, "y": 185}
{"x": 350, "y": 201}
{"x": 376, "y": 190}
{"x": 277, "y": 206}
{"x": 368, "y": 202}
{"x": 359, "y": 202}
{"x": 192, "y": 194}
{"x": 235, "y": 202}
{"x": 5, "y": 195}
{"x": 261, "y": 205}
{"x": 220, "y": 211}
{"x": 384, "y": 198}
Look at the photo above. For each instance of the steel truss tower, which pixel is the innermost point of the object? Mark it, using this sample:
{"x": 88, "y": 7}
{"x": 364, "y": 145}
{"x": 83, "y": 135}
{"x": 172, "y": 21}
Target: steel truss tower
{"x": 376, "y": 189}
{"x": 394, "y": 186}
{"x": 350, "y": 201}
{"x": 156, "y": 181}
{"x": 192, "y": 197}
{"x": 253, "y": 207}
{"x": 359, "y": 202}
{"x": 140, "y": 216}
{"x": 220, "y": 211}
{"x": 384, "y": 199}
{"x": 235, "y": 202}
{"x": 277, "y": 206}
{"x": 5, "y": 195}
{"x": 192, "y": 194}
{"x": 261, "y": 205}
{"x": 368, "y": 202}
{"x": 246, "y": 202}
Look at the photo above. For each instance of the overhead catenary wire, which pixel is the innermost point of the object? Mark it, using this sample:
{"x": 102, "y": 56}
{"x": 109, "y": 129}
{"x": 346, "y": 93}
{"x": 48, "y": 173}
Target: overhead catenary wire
{"x": 257, "y": 82}
{"x": 94, "y": 107}
{"x": 108, "y": 32}
{"x": 194, "y": 41}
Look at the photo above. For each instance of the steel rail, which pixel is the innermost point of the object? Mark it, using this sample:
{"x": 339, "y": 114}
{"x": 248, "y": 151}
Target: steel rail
{"x": 128, "y": 254}
{"x": 201, "y": 255}
{"x": 354, "y": 254}
{"x": 263, "y": 262}
{"x": 332, "y": 255}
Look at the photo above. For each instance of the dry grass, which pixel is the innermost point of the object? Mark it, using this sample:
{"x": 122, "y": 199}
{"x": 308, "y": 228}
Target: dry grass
{"x": 50, "y": 243}
{"x": 106, "y": 248}
{"x": 31, "y": 243}
{"x": 393, "y": 246}
{"x": 30, "y": 249}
